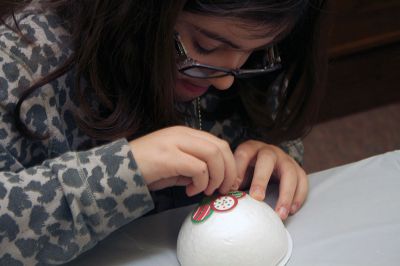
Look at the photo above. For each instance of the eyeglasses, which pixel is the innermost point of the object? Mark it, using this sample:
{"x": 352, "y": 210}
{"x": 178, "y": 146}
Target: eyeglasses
{"x": 259, "y": 62}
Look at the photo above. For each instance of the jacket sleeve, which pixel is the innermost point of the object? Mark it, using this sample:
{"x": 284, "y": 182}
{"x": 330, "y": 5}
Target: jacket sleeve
{"x": 52, "y": 212}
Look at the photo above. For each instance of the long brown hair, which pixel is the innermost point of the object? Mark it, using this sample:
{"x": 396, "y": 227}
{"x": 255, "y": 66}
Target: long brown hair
{"x": 124, "y": 50}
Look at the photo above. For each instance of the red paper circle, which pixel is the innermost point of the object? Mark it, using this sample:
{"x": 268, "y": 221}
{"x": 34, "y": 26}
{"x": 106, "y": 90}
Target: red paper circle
{"x": 224, "y": 203}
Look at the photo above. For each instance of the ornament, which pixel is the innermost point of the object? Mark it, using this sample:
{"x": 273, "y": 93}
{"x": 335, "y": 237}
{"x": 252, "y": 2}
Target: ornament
{"x": 233, "y": 229}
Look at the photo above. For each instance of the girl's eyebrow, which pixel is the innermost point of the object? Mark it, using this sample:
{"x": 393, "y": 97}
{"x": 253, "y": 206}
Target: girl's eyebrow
{"x": 217, "y": 37}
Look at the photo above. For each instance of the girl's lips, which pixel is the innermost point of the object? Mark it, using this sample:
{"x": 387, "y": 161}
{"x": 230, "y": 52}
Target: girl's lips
{"x": 193, "y": 88}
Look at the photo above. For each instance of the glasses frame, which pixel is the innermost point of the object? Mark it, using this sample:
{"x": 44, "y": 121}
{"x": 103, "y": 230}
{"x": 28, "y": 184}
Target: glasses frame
{"x": 184, "y": 63}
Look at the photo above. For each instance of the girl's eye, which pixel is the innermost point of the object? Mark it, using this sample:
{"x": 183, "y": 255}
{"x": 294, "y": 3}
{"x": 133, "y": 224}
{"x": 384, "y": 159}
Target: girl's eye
{"x": 201, "y": 50}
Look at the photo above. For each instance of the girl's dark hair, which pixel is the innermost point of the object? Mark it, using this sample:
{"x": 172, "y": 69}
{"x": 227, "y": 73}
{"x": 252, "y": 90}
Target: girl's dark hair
{"x": 303, "y": 60}
{"x": 125, "y": 52}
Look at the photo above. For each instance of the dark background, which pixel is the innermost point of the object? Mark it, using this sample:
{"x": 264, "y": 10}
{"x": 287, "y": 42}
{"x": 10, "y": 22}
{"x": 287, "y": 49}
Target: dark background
{"x": 360, "y": 114}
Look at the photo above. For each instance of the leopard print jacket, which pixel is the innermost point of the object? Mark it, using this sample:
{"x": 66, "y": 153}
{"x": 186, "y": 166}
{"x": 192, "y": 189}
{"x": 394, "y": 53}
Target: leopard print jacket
{"x": 62, "y": 195}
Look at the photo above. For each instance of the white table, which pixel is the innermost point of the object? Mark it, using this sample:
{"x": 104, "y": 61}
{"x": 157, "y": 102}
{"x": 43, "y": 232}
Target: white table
{"x": 351, "y": 217}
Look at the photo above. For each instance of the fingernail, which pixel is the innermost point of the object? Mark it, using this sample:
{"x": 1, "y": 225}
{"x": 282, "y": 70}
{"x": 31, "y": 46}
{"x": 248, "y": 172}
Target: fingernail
{"x": 283, "y": 213}
{"x": 235, "y": 186}
{"x": 258, "y": 193}
{"x": 294, "y": 208}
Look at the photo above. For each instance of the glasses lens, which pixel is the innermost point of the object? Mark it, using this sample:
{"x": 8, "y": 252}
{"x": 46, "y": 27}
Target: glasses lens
{"x": 203, "y": 72}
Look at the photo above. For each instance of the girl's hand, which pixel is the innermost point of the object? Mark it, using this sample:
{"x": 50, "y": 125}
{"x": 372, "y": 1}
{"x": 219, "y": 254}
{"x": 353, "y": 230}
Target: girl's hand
{"x": 184, "y": 156}
{"x": 270, "y": 160}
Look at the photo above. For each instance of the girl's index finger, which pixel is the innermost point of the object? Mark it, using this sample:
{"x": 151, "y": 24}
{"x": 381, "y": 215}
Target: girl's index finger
{"x": 265, "y": 164}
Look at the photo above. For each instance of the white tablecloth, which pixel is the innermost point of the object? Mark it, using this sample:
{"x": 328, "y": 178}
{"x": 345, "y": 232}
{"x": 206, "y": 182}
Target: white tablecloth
{"x": 351, "y": 217}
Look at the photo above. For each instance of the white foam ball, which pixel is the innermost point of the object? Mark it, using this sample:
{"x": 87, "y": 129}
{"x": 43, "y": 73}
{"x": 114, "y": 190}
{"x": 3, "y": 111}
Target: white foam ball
{"x": 232, "y": 230}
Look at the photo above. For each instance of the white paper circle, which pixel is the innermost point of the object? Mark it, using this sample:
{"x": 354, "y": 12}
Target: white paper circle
{"x": 249, "y": 234}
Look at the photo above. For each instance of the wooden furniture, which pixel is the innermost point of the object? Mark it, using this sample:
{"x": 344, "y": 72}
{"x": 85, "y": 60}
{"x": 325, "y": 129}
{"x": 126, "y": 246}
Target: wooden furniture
{"x": 364, "y": 57}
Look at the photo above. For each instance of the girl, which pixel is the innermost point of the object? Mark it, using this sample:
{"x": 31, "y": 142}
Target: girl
{"x": 110, "y": 109}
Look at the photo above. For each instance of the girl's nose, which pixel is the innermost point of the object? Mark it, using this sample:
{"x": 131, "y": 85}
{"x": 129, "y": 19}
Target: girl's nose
{"x": 236, "y": 60}
{"x": 222, "y": 83}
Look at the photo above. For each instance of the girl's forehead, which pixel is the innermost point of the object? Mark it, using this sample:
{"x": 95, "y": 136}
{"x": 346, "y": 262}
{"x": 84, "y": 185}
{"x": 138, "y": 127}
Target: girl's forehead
{"x": 245, "y": 35}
